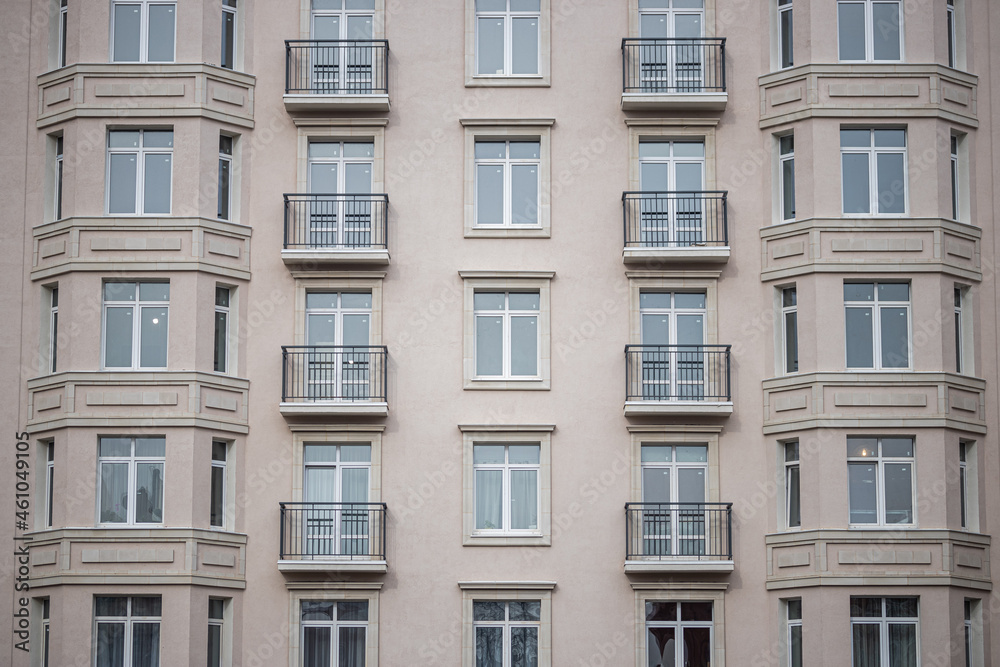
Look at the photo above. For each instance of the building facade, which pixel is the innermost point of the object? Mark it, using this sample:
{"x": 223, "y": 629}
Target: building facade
{"x": 352, "y": 333}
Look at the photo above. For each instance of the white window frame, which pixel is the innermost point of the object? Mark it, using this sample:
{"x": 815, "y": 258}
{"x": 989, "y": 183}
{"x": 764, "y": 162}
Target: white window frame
{"x": 57, "y": 203}
{"x": 231, "y": 8}
{"x": 222, "y": 464}
{"x": 884, "y": 622}
{"x": 128, "y": 621}
{"x": 63, "y": 25}
{"x": 133, "y": 461}
{"x": 678, "y": 625}
{"x": 973, "y": 614}
{"x": 143, "y": 31}
{"x": 507, "y": 626}
{"x": 53, "y": 342}
{"x": 225, "y": 630}
{"x": 505, "y": 469}
{"x": 960, "y": 295}
{"x": 226, "y": 175}
{"x": 507, "y": 164}
{"x": 508, "y": 314}
{"x": 508, "y": 17}
{"x": 506, "y": 591}
{"x": 43, "y": 658}
{"x": 956, "y": 199}
{"x": 963, "y": 482}
{"x": 788, "y": 465}
{"x": 50, "y": 471}
{"x": 952, "y": 35}
{"x": 140, "y": 152}
{"x": 872, "y": 152}
{"x": 786, "y": 157}
{"x": 880, "y": 461}
{"x": 137, "y": 305}
{"x": 223, "y": 310}
{"x": 785, "y": 7}
{"x": 334, "y": 626}
{"x": 786, "y": 311}
{"x": 875, "y": 306}
{"x": 793, "y": 619}
{"x": 869, "y": 30}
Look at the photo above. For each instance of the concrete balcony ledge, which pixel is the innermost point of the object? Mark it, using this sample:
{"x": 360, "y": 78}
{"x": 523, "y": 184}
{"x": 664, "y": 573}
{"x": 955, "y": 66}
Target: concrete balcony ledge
{"x": 680, "y": 565}
{"x": 305, "y": 259}
{"x": 677, "y": 408}
{"x": 674, "y": 101}
{"x": 334, "y": 409}
{"x": 686, "y": 254}
{"x": 334, "y": 565}
{"x": 317, "y": 102}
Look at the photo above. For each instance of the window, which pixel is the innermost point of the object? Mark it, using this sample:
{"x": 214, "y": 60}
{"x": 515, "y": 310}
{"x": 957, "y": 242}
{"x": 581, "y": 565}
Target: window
{"x": 228, "y": 57}
{"x": 959, "y": 329}
{"x": 127, "y": 631}
{"x": 673, "y": 334}
{"x": 221, "y": 363}
{"x": 344, "y": 57}
{"x": 225, "y": 176}
{"x": 140, "y": 165}
{"x": 135, "y": 325}
{"x": 63, "y": 24}
{"x": 506, "y": 487}
{"x": 57, "y": 206}
{"x": 963, "y": 482}
{"x": 793, "y": 502}
{"x": 884, "y": 631}
{"x": 973, "y": 632}
{"x": 53, "y": 329}
{"x": 216, "y": 631}
{"x": 507, "y": 182}
{"x": 786, "y": 158}
{"x": 336, "y": 322}
{"x": 506, "y": 632}
{"x": 142, "y": 31}
{"x": 339, "y": 180}
{"x": 672, "y": 180}
{"x": 676, "y": 65}
{"x": 793, "y": 613}
{"x": 785, "y": 33}
{"x": 674, "y": 491}
{"x": 508, "y": 37}
{"x": 870, "y": 30}
{"x": 873, "y": 166}
{"x": 50, "y": 469}
{"x": 334, "y": 632}
{"x": 878, "y": 325}
{"x": 336, "y": 486}
{"x": 506, "y": 334}
{"x": 954, "y": 178}
{"x": 679, "y": 633}
{"x": 790, "y": 329}
{"x": 131, "y": 479}
{"x": 45, "y": 632}
{"x": 217, "y": 509}
{"x": 952, "y": 56}
{"x": 880, "y": 477}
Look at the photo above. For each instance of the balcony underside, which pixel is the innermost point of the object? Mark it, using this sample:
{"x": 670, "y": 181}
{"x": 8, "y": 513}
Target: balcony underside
{"x": 659, "y": 566}
{"x": 682, "y": 254}
{"x": 318, "y": 257}
{"x": 334, "y": 565}
{"x": 677, "y": 408}
{"x": 327, "y": 103}
{"x": 334, "y": 409}
{"x": 674, "y": 101}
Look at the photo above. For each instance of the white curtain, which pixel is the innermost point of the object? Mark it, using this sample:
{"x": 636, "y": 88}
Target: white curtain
{"x": 114, "y": 492}
{"x": 524, "y": 499}
{"x": 489, "y": 499}
{"x": 354, "y": 520}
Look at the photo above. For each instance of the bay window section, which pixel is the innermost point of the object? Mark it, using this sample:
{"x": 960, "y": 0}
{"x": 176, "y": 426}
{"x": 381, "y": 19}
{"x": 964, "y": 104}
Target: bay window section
{"x": 881, "y": 481}
{"x": 221, "y": 355}
{"x": 217, "y": 495}
{"x": 786, "y": 159}
{"x": 790, "y": 329}
{"x": 142, "y": 31}
{"x": 130, "y": 473}
{"x": 793, "y": 500}
{"x": 135, "y": 325}
{"x": 873, "y": 171}
{"x": 877, "y": 317}
{"x": 225, "y": 177}
{"x": 139, "y": 172}
{"x": 50, "y": 469}
{"x": 870, "y": 30}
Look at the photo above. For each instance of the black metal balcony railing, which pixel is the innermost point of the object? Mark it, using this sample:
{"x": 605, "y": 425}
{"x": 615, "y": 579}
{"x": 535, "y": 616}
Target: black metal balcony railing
{"x": 325, "y": 373}
{"x": 678, "y": 65}
{"x": 684, "y": 373}
{"x": 678, "y": 531}
{"x": 334, "y": 221}
{"x": 676, "y": 219}
{"x": 337, "y": 67}
{"x": 329, "y": 531}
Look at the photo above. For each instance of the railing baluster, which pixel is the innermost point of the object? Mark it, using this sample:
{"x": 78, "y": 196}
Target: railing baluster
{"x": 675, "y": 219}
{"x": 324, "y": 373}
{"x": 679, "y": 373}
{"x": 336, "y": 67}
{"x": 678, "y": 531}
{"x": 331, "y": 531}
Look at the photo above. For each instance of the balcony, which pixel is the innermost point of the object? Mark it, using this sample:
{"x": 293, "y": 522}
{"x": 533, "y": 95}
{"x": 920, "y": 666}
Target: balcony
{"x": 332, "y": 537}
{"x": 333, "y": 380}
{"x": 336, "y": 75}
{"x": 336, "y": 228}
{"x": 678, "y": 537}
{"x": 676, "y": 226}
{"x": 674, "y": 74}
{"x": 682, "y": 380}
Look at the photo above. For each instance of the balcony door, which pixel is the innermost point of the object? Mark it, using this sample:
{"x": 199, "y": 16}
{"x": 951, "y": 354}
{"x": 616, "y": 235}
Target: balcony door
{"x": 673, "y": 336}
{"x": 672, "y": 178}
{"x": 340, "y": 185}
{"x": 337, "y": 322}
{"x": 677, "y": 65}
{"x": 334, "y": 479}
{"x": 341, "y": 65}
{"x": 674, "y": 493}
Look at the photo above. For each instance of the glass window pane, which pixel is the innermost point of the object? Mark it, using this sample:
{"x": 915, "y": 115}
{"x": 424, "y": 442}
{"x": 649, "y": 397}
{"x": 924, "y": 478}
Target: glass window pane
{"x": 866, "y": 607}
{"x": 901, "y": 607}
{"x": 891, "y": 183}
{"x": 523, "y": 646}
{"x": 902, "y": 645}
{"x": 356, "y": 300}
{"x": 795, "y": 646}
{"x": 323, "y": 149}
{"x": 898, "y": 493}
{"x": 525, "y": 150}
{"x": 860, "y": 338}
{"x": 123, "y": 139}
{"x": 696, "y": 611}
{"x": 523, "y": 300}
{"x": 321, "y": 300}
{"x": 489, "y": 499}
{"x": 121, "y": 183}
{"x": 786, "y": 144}
{"x": 118, "y": 338}
{"x": 654, "y": 300}
{"x": 161, "y": 33}
{"x": 151, "y": 447}
{"x": 885, "y": 32}
{"x": 489, "y": 346}
{"x": 525, "y": 5}
{"x": 863, "y": 492}
{"x": 859, "y": 291}
{"x": 228, "y": 40}
{"x": 351, "y": 648}
{"x": 154, "y": 291}
{"x": 856, "y": 195}
{"x": 890, "y": 138}
{"x": 660, "y": 648}
{"x": 524, "y": 346}
{"x": 317, "y": 610}
{"x": 528, "y": 610}
{"x": 146, "y": 644}
{"x": 115, "y": 447}
{"x": 359, "y": 149}
{"x": 114, "y": 493}
{"x": 153, "y": 338}
{"x": 794, "y": 610}
{"x": 361, "y": 4}
{"x": 892, "y": 447}
{"x": 110, "y": 644}
{"x": 661, "y": 611}
{"x": 785, "y": 22}
{"x": 788, "y": 189}
{"x": 691, "y": 454}
{"x": 895, "y": 338}
{"x": 489, "y": 194}
{"x": 855, "y": 138}
{"x": 894, "y": 291}
{"x": 791, "y": 451}
{"x": 523, "y": 454}
{"x": 489, "y": 647}
{"x": 656, "y": 453}
{"x": 861, "y": 447}
{"x": 524, "y": 49}
{"x": 485, "y": 610}
{"x": 690, "y": 300}
{"x": 222, "y": 297}
{"x": 156, "y": 184}
{"x": 524, "y": 500}
{"x": 794, "y": 497}
{"x": 317, "y": 646}
{"x": 491, "y": 5}
{"x": 851, "y": 30}
{"x": 791, "y": 342}
{"x": 698, "y": 647}
{"x": 356, "y": 453}
{"x": 865, "y": 645}
{"x": 689, "y": 149}
{"x": 353, "y": 610}
{"x": 489, "y": 50}
{"x": 214, "y": 645}
{"x": 218, "y": 501}
{"x": 224, "y": 180}
{"x": 127, "y": 20}
{"x": 488, "y": 301}
{"x": 111, "y": 606}
{"x": 491, "y": 150}
{"x": 651, "y": 149}
{"x": 148, "y": 492}
{"x": 158, "y": 139}
{"x": 524, "y": 194}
